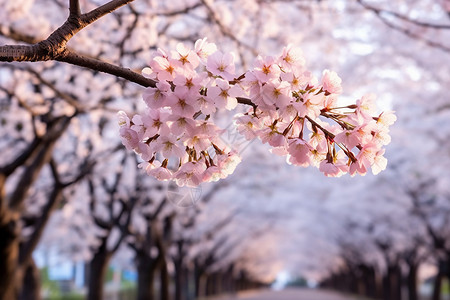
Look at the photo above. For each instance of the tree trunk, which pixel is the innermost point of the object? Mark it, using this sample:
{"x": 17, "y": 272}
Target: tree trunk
{"x": 198, "y": 271}
{"x": 181, "y": 281}
{"x": 9, "y": 255}
{"x": 370, "y": 284}
{"x": 396, "y": 278}
{"x": 412, "y": 282}
{"x": 165, "y": 280}
{"x": 378, "y": 286}
{"x": 97, "y": 272}
{"x": 202, "y": 280}
{"x": 31, "y": 288}
{"x": 438, "y": 284}
{"x": 146, "y": 275}
{"x": 387, "y": 286}
{"x": 10, "y": 277}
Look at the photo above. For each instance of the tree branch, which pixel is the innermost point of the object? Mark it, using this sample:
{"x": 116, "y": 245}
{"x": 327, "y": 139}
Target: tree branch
{"x": 74, "y": 8}
{"x": 22, "y": 158}
{"x": 101, "y": 66}
{"x": 55, "y": 45}
{"x": 225, "y": 31}
{"x": 105, "y": 9}
{"x": 43, "y": 157}
{"x": 379, "y": 11}
{"x": 55, "y": 197}
{"x": 405, "y": 31}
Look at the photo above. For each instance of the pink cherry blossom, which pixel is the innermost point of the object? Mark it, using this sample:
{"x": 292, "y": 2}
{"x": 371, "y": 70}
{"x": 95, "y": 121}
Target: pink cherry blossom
{"x": 331, "y": 82}
{"x": 386, "y": 119}
{"x": 181, "y": 124}
{"x": 205, "y": 104}
{"x": 169, "y": 146}
{"x": 248, "y": 126}
{"x": 291, "y": 58}
{"x": 300, "y": 152}
{"x": 224, "y": 95}
{"x": 228, "y": 163}
{"x": 266, "y": 69}
{"x": 180, "y": 102}
{"x": 123, "y": 119}
{"x": 129, "y": 138}
{"x": 156, "y": 97}
{"x": 334, "y": 165}
{"x": 380, "y": 162}
{"x": 165, "y": 67}
{"x": 221, "y": 64}
{"x": 186, "y": 56}
{"x": 276, "y": 94}
{"x": 366, "y": 106}
{"x": 160, "y": 173}
{"x": 189, "y": 174}
{"x": 204, "y": 49}
{"x": 350, "y": 138}
{"x": 298, "y": 117}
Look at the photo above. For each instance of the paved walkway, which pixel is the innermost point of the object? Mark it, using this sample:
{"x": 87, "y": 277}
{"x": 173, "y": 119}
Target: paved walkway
{"x": 289, "y": 294}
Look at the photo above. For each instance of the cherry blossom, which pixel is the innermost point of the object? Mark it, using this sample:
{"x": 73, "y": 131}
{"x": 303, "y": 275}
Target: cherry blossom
{"x": 298, "y": 116}
{"x": 221, "y": 64}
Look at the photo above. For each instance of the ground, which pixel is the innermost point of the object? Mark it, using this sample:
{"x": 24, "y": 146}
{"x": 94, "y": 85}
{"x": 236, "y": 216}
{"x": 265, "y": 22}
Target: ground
{"x": 289, "y": 294}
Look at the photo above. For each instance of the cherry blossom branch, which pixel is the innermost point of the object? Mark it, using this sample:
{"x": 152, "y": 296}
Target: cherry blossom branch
{"x": 125, "y": 73}
{"x": 28, "y": 247}
{"x": 92, "y": 204}
{"x": 22, "y": 158}
{"x": 103, "y": 10}
{"x": 42, "y": 157}
{"x": 35, "y": 53}
{"x": 54, "y": 199}
{"x": 413, "y": 35}
{"x": 70, "y": 100}
{"x": 74, "y": 8}
{"x": 105, "y": 67}
{"x": 314, "y": 123}
{"x": 225, "y": 31}
{"x": 55, "y": 45}
{"x": 179, "y": 11}
{"x": 13, "y": 34}
{"x": 379, "y": 11}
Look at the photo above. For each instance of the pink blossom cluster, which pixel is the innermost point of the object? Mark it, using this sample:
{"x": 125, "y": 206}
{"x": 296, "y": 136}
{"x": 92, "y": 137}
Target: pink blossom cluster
{"x": 292, "y": 111}
{"x": 176, "y": 136}
{"x": 299, "y": 117}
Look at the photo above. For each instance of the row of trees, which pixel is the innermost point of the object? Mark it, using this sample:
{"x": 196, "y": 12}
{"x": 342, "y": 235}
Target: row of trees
{"x": 385, "y": 249}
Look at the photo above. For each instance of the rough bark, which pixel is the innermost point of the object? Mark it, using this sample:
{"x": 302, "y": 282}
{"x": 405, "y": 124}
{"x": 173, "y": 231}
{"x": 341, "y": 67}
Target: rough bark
{"x": 412, "y": 282}
{"x": 165, "y": 279}
{"x": 9, "y": 255}
{"x": 396, "y": 278}
{"x": 31, "y": 287}
{"x": 97, "y": 272}
{"x": 180, "y": 280}
{"x": 386, "y": 287}
{"x": 438, "y": 284}
{"x": 146, "y": 274}
{"x": 370, "y": 285}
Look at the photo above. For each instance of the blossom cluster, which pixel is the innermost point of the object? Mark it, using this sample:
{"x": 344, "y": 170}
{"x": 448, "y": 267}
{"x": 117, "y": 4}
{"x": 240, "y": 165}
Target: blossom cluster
{"x": 176, "y": 136}
{"x": 291, "y": 110}
{"x": 300, "y": 118}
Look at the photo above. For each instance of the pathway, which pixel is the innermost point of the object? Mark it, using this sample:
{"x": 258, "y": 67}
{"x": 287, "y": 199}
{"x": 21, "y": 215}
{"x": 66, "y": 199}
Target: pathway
{"x": 289, "y": 294}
